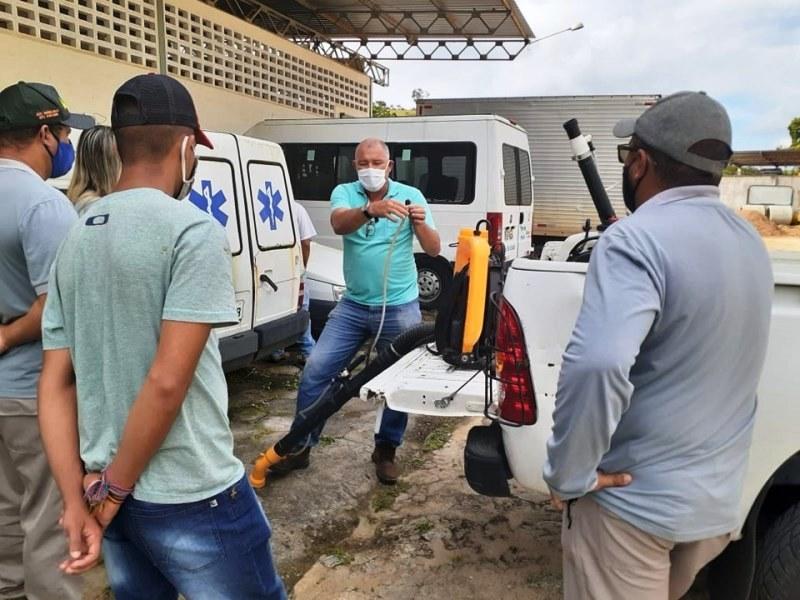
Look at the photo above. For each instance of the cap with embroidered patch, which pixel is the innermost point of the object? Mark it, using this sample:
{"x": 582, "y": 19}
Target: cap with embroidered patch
{"x": 24, "y": 105}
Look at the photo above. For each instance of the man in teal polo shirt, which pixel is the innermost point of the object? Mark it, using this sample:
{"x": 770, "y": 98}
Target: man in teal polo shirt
{"x": 378, "y": 219}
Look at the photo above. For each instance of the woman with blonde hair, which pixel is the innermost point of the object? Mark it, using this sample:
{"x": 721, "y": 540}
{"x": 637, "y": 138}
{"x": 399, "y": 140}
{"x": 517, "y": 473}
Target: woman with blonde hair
{"x": 97, "y": 167}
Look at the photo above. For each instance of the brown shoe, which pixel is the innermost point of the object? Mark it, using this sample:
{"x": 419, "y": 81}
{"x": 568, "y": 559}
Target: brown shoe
{"x": 293, "y": 462}
{"x": 385, "y": 467}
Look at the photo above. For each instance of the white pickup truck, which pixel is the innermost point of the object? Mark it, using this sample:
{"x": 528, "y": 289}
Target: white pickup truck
{"x": 540, "y": 304}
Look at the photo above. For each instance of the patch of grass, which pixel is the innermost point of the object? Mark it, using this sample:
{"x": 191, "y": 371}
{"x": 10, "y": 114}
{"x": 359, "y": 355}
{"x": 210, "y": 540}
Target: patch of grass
{"x": 326, "y": 440}
{"x": 423, "y": 527}
{"x": 437, "y": 438}
{"x": 386, "y": 495}
{"x": 547, "y": 581}
{"x": 344, "y": 557}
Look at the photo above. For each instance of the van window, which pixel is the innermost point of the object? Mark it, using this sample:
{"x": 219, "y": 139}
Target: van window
{"x": 272, "y": 208}
{"x": 315, "y": 169}
{"x": 443, "y": 171}
{"x": 517, "y": 180}
{"x": 214, "y": 193}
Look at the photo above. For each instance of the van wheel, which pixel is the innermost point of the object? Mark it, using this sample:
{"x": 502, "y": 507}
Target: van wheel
{"x": 778, "y": 566}
{"x": 433, "y": 276}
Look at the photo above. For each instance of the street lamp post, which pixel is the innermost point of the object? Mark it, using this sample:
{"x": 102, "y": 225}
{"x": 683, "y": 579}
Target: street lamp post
{"x": 575, "y": 27}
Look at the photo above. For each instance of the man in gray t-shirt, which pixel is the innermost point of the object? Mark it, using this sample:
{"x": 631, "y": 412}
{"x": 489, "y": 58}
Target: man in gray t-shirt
{"x": 34, "y": 145}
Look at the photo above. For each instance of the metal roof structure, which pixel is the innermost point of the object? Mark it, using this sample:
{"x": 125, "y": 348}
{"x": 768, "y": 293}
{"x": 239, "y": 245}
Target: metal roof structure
{"x": 359, "y": 33}
{"x": 789, "y": 157}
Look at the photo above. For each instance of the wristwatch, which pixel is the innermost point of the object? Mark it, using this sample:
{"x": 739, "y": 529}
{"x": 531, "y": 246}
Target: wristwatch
{"x": 365, "y": 211}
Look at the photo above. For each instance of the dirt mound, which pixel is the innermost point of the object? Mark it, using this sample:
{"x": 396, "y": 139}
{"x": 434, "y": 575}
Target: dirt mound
{"x": 762, "y": 224}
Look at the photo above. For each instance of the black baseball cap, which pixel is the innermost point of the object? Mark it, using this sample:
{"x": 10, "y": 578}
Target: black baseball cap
{"x": 156, "y": 100}
{"x": 24, "y": 105}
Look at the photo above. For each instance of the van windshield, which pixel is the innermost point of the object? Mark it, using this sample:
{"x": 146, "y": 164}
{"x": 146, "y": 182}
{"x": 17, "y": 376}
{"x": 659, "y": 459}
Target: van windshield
{"x": 443, "y": 171}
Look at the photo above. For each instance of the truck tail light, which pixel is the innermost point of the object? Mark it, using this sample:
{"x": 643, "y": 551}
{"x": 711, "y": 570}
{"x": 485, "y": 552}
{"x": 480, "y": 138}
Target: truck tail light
{"x": 517, "y": 397}
{"x": 495, "y": 228}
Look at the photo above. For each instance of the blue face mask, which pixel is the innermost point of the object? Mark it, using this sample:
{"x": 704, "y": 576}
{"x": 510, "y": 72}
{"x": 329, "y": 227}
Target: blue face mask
{"x": 62, "y": 159}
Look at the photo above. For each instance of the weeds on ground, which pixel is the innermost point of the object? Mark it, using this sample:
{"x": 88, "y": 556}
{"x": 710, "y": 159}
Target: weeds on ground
{"x": 437, "y": 438}
{"x": 386, "y": 495}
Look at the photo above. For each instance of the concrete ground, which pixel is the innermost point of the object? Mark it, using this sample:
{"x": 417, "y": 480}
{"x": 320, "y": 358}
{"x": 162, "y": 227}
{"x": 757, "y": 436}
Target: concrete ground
{"x": 338, "y": 534}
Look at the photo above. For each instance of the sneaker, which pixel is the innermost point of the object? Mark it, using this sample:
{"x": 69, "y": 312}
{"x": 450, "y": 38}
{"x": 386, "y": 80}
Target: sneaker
{"x": 293, "y": 462}
{"x": 385, "y": 468}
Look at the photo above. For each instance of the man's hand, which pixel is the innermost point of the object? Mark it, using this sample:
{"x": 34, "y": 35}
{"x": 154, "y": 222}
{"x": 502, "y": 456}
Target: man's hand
{"x": 604, "y": 480}
{"x": 84, "y": 537}
{"x": 394, "y": 211}
{"x": 3, "y": 340}
{"x": 104, "y": 512}
{"x": 416, "y": 213}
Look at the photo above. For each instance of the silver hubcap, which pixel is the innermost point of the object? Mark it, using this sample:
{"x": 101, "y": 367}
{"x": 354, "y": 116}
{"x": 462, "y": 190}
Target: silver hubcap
{"x": 429, "y": 285}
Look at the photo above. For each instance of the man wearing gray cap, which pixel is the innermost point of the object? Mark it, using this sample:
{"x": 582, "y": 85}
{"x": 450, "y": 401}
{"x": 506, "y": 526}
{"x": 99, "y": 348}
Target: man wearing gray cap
{"x": 657, "y": 393}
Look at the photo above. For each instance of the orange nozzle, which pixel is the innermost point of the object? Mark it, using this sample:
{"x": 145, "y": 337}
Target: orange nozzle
{"x": 258, "y": 476}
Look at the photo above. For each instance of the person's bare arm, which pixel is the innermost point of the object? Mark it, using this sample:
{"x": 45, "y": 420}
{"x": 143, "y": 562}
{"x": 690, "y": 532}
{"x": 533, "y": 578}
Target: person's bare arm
{"x": 160, "y": 398}
{"x": 26, "y": 328}
{"x": 58, "y": 423}
{"x": 428, "y": 237}
{"x": 347, "y": 220}
{"x": 305, "y": 246}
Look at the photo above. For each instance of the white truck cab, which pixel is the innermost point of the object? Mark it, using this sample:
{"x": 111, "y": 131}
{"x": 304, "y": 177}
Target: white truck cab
{"x": 243, "y": 184}
{"x": 468, "y": 167}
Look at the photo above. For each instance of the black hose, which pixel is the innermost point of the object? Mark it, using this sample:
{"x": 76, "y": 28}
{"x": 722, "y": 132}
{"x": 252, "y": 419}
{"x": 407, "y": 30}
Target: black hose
{"x": 340, "y": 390}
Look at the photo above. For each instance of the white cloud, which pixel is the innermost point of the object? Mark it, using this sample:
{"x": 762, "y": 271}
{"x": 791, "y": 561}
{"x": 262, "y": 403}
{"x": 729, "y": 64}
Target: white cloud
{"x": 744, "y": 52}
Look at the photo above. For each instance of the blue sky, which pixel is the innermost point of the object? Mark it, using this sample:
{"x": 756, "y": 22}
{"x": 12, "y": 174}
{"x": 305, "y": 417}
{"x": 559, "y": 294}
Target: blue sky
{"x": 746, "y": 53}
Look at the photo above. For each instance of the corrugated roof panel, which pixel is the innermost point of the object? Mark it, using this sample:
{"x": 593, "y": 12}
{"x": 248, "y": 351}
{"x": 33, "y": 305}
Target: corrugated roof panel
{"x": 431, "y": 19}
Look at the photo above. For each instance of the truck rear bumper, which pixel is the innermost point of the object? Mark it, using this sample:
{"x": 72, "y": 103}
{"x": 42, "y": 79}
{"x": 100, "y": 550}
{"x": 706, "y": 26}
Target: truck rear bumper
{"x": 485, "y": 463}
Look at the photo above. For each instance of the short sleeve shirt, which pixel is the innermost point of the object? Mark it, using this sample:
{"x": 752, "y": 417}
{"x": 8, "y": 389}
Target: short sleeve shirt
{"x": 35, "y": 219}
{"x": 366, "y": 249}
{"x": 305, "y": 227}
{"x": 136, "y": 258}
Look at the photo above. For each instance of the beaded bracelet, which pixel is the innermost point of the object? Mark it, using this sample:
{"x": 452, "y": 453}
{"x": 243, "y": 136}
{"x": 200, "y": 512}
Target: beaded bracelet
{"x": 101, "y": 490}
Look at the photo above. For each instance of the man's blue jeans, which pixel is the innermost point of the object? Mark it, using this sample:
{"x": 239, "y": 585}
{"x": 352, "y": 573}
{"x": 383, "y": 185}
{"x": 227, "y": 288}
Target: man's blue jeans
{"x": 306, "y": 341}
{"x": 349, "y": 325}
{"x": 213, "y": 549}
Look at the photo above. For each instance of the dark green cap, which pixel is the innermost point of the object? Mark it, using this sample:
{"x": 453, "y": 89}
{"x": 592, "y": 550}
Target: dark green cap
{"x": 25, "y": 105}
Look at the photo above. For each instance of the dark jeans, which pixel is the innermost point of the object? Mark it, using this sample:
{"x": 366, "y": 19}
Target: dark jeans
{"x": 213, "y": 549}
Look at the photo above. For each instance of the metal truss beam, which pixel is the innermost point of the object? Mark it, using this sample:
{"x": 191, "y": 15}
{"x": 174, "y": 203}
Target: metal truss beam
{"x": 453, "y": 49}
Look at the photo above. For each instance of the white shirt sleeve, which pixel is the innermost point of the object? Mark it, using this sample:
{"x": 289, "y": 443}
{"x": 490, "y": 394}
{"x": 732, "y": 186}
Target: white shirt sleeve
{"x": 305, "y": 228}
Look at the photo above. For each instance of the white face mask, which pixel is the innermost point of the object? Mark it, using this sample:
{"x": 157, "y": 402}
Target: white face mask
{"x": 372, "y": 179}
{"x": 187, "y": 179}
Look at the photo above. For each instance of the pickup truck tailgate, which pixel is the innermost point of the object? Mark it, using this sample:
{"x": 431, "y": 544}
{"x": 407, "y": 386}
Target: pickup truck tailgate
{"x": 421, "y": 383}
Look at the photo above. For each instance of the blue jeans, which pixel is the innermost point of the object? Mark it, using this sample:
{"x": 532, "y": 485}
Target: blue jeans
{"x": 306, "y": 342}
{"x": 213, "y": 549}
{"x": 349, "y": 325}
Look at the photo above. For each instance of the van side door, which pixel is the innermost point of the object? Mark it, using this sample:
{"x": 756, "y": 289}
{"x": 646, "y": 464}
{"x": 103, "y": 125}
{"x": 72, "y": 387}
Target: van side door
{"x": 276, "y": 256}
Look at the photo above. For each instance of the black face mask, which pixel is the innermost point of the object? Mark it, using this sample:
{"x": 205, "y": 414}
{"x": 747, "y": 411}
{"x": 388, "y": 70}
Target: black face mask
{"x": 629, "y": 190}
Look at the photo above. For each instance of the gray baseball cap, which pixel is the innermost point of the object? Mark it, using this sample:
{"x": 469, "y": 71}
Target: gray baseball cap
{"x": 681, "y": 126}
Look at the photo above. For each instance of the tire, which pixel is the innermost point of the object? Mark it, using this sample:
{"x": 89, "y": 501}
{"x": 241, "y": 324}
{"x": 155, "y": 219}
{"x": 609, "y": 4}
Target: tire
{"x": 778, "y": 564}
{"x": 433, "y": 276}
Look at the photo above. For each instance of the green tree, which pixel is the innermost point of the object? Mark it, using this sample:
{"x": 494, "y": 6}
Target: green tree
{"x": 794, "y": 131}
{"x": 381, "y": 109}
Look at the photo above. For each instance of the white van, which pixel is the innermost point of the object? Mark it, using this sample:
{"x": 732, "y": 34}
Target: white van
{"x": 468, "y": 167}
{"x": 243, "y": 184}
